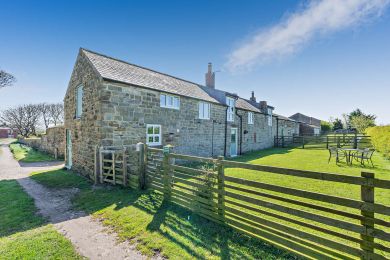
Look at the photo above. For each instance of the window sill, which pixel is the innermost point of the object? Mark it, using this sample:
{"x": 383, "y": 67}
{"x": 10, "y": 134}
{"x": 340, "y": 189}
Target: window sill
{"x": 174, "y": 108}
{"x": 153, "y": 144}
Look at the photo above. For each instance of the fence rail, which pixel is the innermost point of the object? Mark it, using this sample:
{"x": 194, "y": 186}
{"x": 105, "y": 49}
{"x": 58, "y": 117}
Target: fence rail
{"x": 286, "y": 217}
{"x": 324, "y": 141}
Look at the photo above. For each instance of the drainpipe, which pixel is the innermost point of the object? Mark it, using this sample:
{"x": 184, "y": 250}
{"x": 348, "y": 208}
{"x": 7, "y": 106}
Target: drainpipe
{"x": 212, "y": 140}
{"x": 224, "y": 149}
{"x": 240, "y": 130}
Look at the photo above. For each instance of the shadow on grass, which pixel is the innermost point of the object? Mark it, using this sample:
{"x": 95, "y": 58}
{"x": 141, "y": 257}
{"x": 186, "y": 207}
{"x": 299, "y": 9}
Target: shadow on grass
{"x": 250, "y": 156}
{"x": 140, "y": 215}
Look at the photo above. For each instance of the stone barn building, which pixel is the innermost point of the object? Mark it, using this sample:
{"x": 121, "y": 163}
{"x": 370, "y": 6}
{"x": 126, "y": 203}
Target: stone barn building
{"x": 307, "y": 125}
{"x": 110, "y": 102}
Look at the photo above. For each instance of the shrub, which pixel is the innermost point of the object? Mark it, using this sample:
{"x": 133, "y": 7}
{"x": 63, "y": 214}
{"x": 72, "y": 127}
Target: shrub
{"x": 380, "y": 138}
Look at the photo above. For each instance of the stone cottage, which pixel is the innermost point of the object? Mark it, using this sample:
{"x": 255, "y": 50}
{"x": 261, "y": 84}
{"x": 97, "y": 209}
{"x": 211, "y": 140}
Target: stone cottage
{"x": 110, "y": 102}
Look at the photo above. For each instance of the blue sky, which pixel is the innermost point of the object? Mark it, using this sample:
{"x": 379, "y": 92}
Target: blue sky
{"x": 322, "y": 72}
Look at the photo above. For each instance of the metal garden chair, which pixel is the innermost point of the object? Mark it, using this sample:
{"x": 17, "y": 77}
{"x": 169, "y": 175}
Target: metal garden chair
{"x": 334, "y": 152}
{"x": 364, "y": 155}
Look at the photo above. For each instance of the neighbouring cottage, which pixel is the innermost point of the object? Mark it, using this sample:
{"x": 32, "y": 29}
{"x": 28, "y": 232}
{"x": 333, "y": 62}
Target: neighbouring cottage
{"x": 307, "y": 125}
{"x": 110, "y": 102}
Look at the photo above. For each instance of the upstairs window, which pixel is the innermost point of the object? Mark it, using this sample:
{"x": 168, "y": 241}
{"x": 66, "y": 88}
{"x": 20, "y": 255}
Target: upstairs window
{"x": 230, "y": 111}
{"x": 153, "y": 135}
{"x": 169, "y": 101}
{"x": 250, "y": 118}
{"x": 269, "y": 117}
{"x": 204, "y": 110}
{"x": 79, "y": 101}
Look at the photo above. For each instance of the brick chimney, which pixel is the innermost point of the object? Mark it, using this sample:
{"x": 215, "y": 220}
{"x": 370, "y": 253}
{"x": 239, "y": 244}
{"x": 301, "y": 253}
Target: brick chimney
{"x": 253, "y": 98}
{"x": 263, "y": 107}
{"x": 210, "y": 76}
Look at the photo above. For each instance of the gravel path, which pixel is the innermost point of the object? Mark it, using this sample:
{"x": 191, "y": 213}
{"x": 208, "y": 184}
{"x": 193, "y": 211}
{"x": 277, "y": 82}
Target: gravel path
{"x": 88, "y": 236}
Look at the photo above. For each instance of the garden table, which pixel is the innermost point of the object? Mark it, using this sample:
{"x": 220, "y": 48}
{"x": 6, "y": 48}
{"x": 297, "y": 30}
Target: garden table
{"x": 348, "y": 153}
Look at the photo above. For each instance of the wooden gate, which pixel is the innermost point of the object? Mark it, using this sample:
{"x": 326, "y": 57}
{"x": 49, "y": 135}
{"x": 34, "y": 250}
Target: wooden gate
{"x": 113, "y": 166}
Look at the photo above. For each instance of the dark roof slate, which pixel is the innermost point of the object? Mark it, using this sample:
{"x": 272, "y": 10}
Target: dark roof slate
{"x": 113, "y": 69}
{"x": 124, "y": 72}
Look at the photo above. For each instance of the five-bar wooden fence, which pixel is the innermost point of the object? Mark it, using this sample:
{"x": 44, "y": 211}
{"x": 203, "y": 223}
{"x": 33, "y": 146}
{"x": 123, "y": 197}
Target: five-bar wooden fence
{"x": 310, "y": 224}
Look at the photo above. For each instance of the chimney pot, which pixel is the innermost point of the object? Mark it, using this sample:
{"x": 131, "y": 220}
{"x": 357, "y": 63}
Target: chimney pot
{"x": 253, "y": 98}
{"x": 210, "y": 76}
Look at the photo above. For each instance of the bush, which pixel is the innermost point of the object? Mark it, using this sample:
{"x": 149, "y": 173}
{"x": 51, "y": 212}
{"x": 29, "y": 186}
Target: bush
{"x": 380, "y": 138}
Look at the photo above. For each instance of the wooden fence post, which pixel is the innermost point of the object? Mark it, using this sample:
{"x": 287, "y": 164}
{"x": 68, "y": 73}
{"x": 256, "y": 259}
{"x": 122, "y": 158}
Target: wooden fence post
{"x": 140, "y": 148}
{"x": 282, "y": 141}
{"x": 101, "y": 164}
{"x": 221, "y": 187}
{"x": 355, "y": 143}
{"x": 303, "y": 142}
{"x": 124, "y": 165}
{"x": 327, "y": 142}
{"x": 96, "y": 164}
{"x": 338, "y": 142}
{"x": 167, "y": 171}
{"x": 367, "y": 195}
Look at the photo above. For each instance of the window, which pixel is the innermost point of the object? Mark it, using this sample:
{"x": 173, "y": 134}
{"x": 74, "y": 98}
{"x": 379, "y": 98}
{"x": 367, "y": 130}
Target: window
{"x": 250, "y": 118}
{"x": 169, "y": 101}
{"x": 230, "y": 111}
{"x": 153, "y": 134}
{"x": 269, "y": 116}
{"x": 204, "y": 110}
{"x": 79, "y": 101}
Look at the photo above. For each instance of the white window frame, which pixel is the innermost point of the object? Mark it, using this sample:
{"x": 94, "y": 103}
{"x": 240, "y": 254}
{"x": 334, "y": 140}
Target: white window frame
{"x": 169, "y": 101}
{"x": 153, "y": 135}
{"x": 79, "y": 101}
{"x": 204, "y": 110}
{"x": 269, "y": 117}
{"x": 230, "y": 102}
{"x": 250, "y": 118}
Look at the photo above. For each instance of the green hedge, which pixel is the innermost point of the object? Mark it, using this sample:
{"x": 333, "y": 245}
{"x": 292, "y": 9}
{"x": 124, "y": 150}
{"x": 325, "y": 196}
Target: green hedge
{"x": 380, "y": 138}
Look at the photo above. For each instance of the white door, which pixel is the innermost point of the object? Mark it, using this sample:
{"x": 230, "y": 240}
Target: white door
{"x": 68, "y": 149}
{"x": 233, "y": 142}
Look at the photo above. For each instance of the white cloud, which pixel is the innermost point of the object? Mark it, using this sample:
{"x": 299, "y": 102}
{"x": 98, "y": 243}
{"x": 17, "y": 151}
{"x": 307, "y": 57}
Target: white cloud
{"x": 291, "y": 34}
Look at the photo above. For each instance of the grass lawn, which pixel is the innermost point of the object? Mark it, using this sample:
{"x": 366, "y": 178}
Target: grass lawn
{"x": 158, "y": 227}
{"x": 27, "y": 154}
{"x": 23, "y": 233}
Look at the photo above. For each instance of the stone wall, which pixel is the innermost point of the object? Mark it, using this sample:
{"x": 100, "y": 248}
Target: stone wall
{"x": 53, "y": 142}
{"x": 127, "y": 110}
{"x": 84, "y": 131}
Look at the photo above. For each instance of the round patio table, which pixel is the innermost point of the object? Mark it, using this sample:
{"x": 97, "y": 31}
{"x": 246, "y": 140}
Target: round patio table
{"x": 348, "y": 153}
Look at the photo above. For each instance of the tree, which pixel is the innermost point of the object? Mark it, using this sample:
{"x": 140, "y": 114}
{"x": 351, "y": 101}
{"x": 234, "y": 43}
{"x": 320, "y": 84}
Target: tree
{"x": 358, "y": 112}
{"x": 56, "y": 112}
{"x": 45, "y": 112}
{"x": 326, "y": 126}
{"x": 25, "y": 118}
{"x": 6, "y": 79}
{"x": 337, "y": 124}
{"x": 361, "y": 123}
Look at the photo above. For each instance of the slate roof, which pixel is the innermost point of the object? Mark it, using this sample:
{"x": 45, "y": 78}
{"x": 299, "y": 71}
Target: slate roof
{"x": 284, "y": 118}
{"x": 124, "y": 72}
